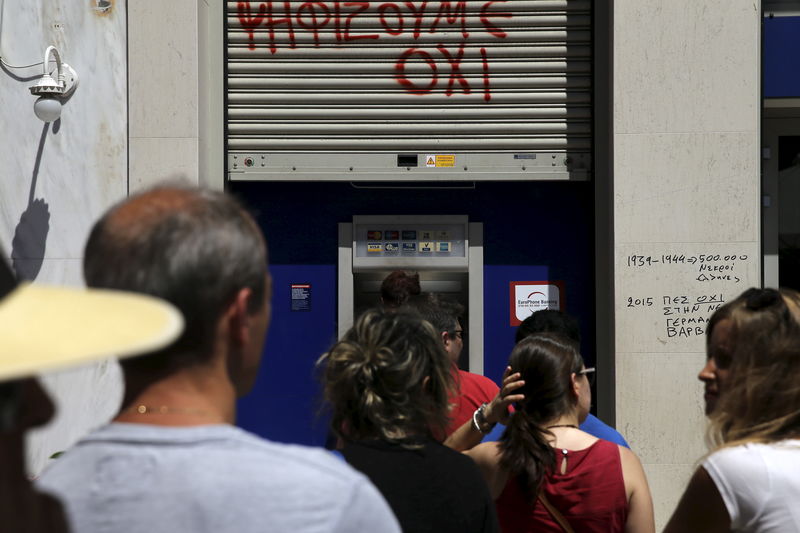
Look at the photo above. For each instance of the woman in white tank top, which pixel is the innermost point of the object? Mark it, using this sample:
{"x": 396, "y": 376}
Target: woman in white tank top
{"x": 751, "y": 481}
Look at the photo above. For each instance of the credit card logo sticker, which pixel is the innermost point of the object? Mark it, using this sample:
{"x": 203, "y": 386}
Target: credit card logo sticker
{"x": 409, "y": 235}
{"x": 443, "y": 235}
{"x": 409, "y": 247}
{"x": 426, "y": 235}
{"x": 391, "y": 235}
{"x": 442, "y": 246}
{"x": 426, "y": 246}
{"x": 373, "y": 247}
{"x": 391, "y": 246}
{"x": 373, "y": 235}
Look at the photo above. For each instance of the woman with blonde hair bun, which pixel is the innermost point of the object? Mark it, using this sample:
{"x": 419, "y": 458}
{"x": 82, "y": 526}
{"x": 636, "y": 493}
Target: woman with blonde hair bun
{"x": 387, "y": 382}
{"x": 751, "y": 480}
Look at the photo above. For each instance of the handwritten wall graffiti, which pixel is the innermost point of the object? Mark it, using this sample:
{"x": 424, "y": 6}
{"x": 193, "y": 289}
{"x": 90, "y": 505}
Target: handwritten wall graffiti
{"x": 671, "y": 291}
{"x": 341, "y": 23}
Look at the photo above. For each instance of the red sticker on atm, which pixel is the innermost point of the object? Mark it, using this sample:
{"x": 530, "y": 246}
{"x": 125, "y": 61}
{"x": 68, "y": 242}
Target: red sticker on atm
{"x": 374, "y": 235}
{"x": 391, "y": 235}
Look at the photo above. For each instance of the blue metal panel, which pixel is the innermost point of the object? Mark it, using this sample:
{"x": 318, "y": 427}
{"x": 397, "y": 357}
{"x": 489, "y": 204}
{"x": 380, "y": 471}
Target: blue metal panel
{"x": 781, "y": 57}
{"x": 285, "y": 400}
{"x": 499, "y": 334}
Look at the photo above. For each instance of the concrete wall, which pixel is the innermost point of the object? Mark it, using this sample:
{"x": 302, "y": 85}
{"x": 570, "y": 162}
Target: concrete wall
{"x": 686, "y": 186}
{"x": 56, "y": 179}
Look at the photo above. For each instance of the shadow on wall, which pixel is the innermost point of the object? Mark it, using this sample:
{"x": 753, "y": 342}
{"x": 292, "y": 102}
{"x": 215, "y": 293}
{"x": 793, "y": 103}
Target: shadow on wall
{"x": 30, "y": 235}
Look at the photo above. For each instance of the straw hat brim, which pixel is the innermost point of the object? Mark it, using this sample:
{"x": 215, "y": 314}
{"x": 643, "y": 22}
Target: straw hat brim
{"x": 45, "y": 328}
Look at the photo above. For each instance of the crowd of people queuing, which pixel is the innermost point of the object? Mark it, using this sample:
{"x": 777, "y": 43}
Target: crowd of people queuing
{"x": 422, "y": 446}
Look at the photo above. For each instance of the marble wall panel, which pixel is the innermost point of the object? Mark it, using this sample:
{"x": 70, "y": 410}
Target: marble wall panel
{"x": 699, "y": 61}
{"x": 687, "y": 187}
{"x": 56, "y": 179}
{"x": 163, "y": 69}
{"x": 686, "y": 181}
{"x": 671, "y": 426}
{"x": 154, "y": 160}
{"x": 667, "y": 482}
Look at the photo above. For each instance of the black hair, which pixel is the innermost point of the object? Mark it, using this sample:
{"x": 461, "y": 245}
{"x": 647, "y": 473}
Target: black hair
{"x": 546, "y": 362}
{"x": 550, "y": 321}
{"x": 398, "y": 287}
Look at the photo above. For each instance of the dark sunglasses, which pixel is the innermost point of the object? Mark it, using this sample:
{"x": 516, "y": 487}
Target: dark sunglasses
{"x": 589, "y": 373}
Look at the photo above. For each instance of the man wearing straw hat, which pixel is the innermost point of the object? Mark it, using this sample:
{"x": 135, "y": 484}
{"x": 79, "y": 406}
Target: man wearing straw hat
{"x": 171, "y": 460}
{"x": 45, "y": 328}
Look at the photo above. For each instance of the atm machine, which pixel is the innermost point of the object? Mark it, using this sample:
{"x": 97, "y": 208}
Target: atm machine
{"x": 446, "y": 250}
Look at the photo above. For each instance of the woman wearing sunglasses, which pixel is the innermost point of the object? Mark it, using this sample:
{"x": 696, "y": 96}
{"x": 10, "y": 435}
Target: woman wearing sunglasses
{"x": 547, "y": 475}
{"x": 751, "y": 480}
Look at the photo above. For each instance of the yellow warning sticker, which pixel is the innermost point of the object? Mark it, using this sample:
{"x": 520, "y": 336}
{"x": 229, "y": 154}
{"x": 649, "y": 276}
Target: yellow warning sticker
{"x": 446, "y": 160}
{"x": 440, "y": 160}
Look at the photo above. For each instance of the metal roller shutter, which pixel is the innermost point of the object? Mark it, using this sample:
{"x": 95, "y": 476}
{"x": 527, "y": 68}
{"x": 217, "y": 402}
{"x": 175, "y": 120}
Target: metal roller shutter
{"x": 442, "y": 90}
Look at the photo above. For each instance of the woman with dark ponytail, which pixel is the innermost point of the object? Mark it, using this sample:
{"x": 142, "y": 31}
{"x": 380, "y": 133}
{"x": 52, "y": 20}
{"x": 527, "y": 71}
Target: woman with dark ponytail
{"x": 545, "y": 474}
{"x": 388, "y": 382}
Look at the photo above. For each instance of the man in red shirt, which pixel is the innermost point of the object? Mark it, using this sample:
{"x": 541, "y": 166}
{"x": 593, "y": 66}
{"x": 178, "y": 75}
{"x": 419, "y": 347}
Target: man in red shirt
{"x": 472, "y": 390}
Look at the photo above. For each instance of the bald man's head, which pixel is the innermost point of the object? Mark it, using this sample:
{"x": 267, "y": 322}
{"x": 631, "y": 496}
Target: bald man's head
{"x": 192, "y": 247}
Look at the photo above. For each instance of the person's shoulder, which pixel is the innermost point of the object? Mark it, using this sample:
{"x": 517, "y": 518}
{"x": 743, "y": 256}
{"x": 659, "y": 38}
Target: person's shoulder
{"x": 749, "y": 464}
{"x": 485, "y": 452}
{"x": 601, "y": 430}
{"x": 749, "y": 456}
{"x": 448, "y": 457}
{"x": 297, "y": 458}
{"x": 479, "y": 381}
{"x": 626, "y": 456}
{"x": 228, "y": 449}
{"x": 739, "y": 452}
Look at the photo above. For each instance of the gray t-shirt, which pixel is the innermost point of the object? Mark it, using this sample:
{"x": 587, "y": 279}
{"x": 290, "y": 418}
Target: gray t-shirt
{"x": 135, "y": 478}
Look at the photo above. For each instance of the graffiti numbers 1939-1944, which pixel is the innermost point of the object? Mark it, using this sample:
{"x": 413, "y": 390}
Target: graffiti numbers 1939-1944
{"x": 702, "y": 281}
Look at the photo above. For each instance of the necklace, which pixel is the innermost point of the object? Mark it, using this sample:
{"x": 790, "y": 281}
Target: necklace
{"x": 562, "y": 426}
{"x": 163, "y": 409}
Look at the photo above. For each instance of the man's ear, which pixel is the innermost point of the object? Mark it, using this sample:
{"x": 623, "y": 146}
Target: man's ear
{"x": 238, "y": 316}
{"x": 445, "y": 338}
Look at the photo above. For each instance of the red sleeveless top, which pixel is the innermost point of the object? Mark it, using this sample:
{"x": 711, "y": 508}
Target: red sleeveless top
{"x": 591, "y": 495}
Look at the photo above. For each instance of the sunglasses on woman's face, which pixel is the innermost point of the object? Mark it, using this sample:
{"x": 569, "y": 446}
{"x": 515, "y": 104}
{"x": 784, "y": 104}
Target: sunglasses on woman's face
{"x": 589, "y": 373}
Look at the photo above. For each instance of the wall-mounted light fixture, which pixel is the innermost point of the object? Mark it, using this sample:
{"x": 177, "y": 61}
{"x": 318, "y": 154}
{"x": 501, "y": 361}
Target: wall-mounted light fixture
{"x": 53, "y": 93}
